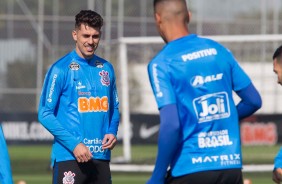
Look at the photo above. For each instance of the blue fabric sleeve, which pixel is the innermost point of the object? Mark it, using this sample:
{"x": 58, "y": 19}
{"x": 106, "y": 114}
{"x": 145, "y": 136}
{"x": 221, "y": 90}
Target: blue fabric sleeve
{"x": 114, "y": 122}
{"x": 47, "y": 107}
{"x": 159, "y": 80}
{"x": 115, "y": 115}
{"x": 240, "y": 79}
{"x": 250, "y": 101}
{"x": 5, "y": 167}
{"x": 278, "y": 160}
{"x": 168, "y": 142}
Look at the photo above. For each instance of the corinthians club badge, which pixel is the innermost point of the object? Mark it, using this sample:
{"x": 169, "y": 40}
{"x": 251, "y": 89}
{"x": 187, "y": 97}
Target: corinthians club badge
{"x": 105, "y": 79}
{"x": 69, "y": 178}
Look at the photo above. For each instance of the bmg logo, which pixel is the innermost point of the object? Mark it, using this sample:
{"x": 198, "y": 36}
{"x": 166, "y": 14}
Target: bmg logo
{"x": 211, "y": 107}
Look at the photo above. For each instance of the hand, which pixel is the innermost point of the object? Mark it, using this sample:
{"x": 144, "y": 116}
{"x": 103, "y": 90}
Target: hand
{"x": 109, "y": 141}
{"x": 277, "y": 175}
{"x": 82, "y": 153}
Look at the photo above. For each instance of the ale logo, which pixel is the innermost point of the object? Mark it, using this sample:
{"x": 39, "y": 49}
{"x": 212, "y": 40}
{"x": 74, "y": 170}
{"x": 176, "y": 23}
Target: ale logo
{"x": 211, "y": 107}
{"x": 199, "y": 80}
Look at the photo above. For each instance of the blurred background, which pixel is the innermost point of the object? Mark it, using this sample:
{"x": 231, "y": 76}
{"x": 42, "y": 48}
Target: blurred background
{"x": 34, "y": 34}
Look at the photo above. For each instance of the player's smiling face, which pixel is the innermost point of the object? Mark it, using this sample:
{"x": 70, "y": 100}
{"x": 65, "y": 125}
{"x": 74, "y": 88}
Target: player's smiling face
{"x": 277, "y": 68}
{"x": 87, "y": 40}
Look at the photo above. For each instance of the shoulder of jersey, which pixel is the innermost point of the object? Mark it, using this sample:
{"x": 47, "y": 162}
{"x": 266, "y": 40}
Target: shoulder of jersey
{"x": 102, "y": 63}
{"x": 64, "y": 61}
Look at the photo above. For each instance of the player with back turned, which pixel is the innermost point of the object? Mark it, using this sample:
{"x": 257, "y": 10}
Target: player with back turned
{"x": 277, "y": 68}
{"x": 193, "y": 79}
{"x": 79, "y": 107}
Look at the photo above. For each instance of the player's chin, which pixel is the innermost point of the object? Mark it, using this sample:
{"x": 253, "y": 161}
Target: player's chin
{"x": 88, "y": 55}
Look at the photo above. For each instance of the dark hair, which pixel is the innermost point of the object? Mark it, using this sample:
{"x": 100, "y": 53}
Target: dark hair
{"x": 277, "y": 53}
{"x": 156, "y": 1}
{"x": 88, "y": 17}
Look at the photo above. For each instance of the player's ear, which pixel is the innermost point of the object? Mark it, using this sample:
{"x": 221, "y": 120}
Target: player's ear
{"x": 74, "y": 35}
{"x": 157, "y": 18}
{"x": 189, "y": 16}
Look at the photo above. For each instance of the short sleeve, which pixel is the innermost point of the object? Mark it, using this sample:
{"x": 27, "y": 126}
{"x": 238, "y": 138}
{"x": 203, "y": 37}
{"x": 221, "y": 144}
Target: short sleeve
{"x": 240, "y": 79}
{"x": 161, "y": 84}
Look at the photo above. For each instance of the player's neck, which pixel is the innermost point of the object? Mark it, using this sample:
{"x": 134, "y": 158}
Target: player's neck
{"x": 176, "y": 32}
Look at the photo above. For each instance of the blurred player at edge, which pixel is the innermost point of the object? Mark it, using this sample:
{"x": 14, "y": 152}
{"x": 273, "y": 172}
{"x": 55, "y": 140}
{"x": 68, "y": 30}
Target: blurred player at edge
{"x": 192, "y": 79}
{"x": 79, "y": 106}
{"x": 277, "y": 68}
{"x": 5, "y": 165}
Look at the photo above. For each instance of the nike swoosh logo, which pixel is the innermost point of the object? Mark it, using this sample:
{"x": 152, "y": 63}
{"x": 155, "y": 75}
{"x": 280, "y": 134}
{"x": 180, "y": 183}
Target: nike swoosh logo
{"x": 148, "y": 132}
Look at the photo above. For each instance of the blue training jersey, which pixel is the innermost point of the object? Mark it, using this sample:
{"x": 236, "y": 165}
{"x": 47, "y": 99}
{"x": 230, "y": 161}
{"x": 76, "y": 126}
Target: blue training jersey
{"x": 79, "y": 104}
{"x": 278, "y": 160}
{"x": 199, "y": 75}
{"x": 5, "y": 166}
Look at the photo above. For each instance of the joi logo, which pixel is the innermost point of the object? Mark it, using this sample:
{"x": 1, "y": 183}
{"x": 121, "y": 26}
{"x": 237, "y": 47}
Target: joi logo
{"x": 211, "y": 107}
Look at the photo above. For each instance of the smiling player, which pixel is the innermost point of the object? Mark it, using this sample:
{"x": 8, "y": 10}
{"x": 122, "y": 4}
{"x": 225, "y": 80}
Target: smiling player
{"x": 79, "y": 106}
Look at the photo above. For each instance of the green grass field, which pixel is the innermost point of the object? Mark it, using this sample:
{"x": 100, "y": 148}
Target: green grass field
{"x": 31, "y": 163}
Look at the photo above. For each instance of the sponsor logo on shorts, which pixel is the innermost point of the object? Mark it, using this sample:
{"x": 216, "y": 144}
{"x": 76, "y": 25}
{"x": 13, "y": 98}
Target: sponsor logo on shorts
{"x": 51, "y": 91}
{"x": 105, "y": 79}
{"x": 199, "y": 80}
{"x": 68, "y": 178}
{"x": 212, "y": 107}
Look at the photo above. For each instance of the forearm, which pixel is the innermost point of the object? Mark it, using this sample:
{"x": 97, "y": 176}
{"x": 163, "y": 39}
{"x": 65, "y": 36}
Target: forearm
{"x": 250, "y": 101}
{"x": 115, "y": 119}
{"x": 168, "y": 141}
{"x": 50, "y": 122}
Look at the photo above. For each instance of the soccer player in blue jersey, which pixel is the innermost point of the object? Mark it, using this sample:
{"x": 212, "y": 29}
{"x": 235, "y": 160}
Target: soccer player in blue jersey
{"x": 5, "y": 166}
{"x": 79, "y": 106}
{"x": 277, "y": 68}
{"x": 193, "y": 79}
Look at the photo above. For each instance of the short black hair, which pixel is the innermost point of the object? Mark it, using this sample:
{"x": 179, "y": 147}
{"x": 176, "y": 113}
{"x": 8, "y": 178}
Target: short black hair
{"x": 156, "y": 1}
{"x": 277, "y": 53}
{"x": 88, "y": 17}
